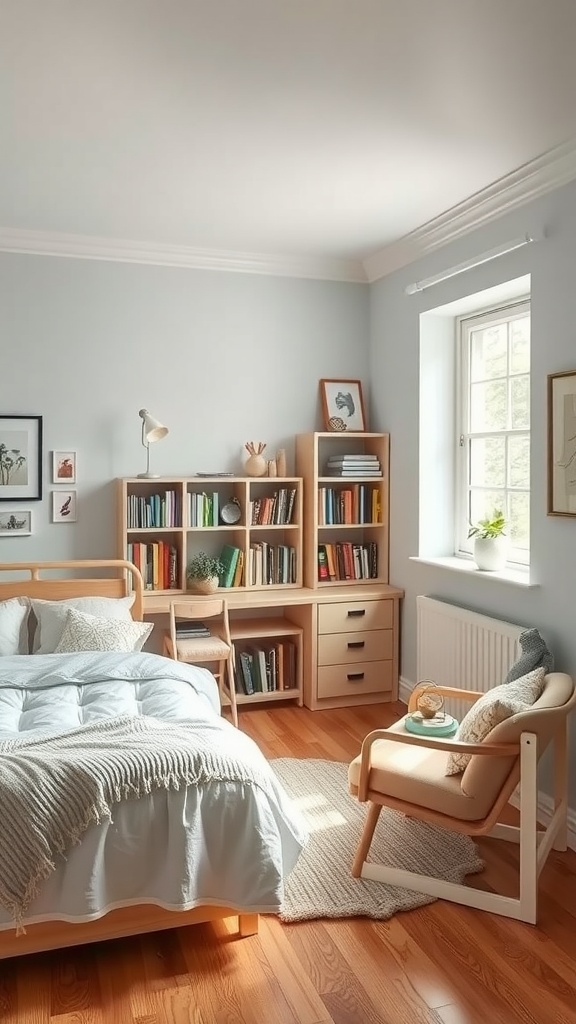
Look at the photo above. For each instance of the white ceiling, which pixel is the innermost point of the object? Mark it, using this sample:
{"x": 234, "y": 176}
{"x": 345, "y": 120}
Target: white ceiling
{"x": 301, "y": 128}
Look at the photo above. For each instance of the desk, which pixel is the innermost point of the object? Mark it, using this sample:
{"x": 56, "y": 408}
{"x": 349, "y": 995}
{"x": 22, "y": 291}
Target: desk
{"x": 348, "y": 637}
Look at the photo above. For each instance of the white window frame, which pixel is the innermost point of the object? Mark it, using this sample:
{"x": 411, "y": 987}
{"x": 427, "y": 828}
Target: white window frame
{"x": 464, "y": 325}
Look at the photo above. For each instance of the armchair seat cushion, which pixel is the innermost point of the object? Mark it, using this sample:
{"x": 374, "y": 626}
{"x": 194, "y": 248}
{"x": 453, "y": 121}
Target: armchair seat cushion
{"x": 418, "y": 776}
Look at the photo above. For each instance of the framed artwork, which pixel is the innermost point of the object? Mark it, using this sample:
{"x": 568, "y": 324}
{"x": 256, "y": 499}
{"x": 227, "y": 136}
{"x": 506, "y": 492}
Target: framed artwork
{"x": 562, "y": 443}
{"x": 342, "y": 405}
{"x": 20, "y": 458}
{"x": 63, "y": 506}
{"x": 63, "y": 467}
{"x": 15, "y": 523}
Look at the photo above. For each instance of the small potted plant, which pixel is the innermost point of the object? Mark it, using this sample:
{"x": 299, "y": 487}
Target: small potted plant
{"x": 203, "y": 571}
{"x": 490, "y": 541}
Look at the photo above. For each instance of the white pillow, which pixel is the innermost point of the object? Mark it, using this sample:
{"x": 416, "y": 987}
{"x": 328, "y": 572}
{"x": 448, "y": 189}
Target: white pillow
{"x": 14, "y": 625}
{"x": 91, "y": 633}
{"x": 51, "y": 616}
{"x": 494, "y": 707}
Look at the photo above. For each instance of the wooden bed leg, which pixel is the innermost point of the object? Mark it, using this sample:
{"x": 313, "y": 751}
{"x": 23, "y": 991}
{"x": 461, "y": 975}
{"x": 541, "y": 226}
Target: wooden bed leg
{"x": 247, "y": 925}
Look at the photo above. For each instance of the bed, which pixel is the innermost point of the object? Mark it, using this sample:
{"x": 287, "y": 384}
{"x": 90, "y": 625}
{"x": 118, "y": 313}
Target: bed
{"x": 167, "y": 857}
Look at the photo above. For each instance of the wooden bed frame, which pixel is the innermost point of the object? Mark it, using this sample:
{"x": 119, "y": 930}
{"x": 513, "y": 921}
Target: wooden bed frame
{"x": 113, "y": 578}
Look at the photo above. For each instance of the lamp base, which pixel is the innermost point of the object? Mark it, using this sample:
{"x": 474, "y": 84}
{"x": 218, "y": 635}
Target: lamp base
{"x": 148, "y": 476}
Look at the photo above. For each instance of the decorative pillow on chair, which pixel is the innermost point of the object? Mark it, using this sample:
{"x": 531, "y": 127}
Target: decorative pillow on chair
{"x": 492, "y": 708}
{"x": 90, "y": 633}
{"x": 14, "y": 625}
{"x": 51, "y": 616}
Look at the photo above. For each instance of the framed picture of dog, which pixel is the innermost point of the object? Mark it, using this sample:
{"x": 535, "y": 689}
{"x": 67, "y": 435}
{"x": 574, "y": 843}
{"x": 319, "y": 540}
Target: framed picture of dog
{"x": 343, "y": 405}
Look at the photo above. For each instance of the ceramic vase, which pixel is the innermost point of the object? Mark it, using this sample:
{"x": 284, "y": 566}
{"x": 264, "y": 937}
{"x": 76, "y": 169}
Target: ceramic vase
{"x": 490, "y": 553}
{"x": 256, "y": 465}
{"x": 209, "y": 586}
{"x": 271, "y": 467}
{"x": 281, "y": 462}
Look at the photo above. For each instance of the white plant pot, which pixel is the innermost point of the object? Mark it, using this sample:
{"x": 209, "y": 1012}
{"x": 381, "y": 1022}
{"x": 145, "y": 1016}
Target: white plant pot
{"x": 209, "y": 586}
{"x": 490, "y": 553}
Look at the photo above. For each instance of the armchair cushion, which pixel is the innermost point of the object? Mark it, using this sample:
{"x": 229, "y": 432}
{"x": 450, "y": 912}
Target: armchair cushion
{"x": 492, "y": 708}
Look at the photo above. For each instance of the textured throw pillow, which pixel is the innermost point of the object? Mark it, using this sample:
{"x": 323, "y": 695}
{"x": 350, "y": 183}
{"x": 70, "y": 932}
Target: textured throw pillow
{"x": 492, "y": 708}
{"x": 90, "y": 633}
{"x": 14, "y": 625}
{"x": 51, "y": 616}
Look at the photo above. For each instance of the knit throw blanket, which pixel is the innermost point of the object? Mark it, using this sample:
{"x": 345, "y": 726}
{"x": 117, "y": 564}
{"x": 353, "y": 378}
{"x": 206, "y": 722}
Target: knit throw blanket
{"x": 53, "y": 788}
{"x": 535, "y": 654}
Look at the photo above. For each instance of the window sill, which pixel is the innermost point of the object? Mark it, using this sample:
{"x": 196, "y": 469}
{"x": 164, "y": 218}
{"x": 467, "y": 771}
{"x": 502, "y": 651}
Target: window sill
{"x": 517, "y": 577}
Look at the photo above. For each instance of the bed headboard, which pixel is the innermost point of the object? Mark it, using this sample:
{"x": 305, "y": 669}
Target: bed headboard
{"x": 123, "y": 578}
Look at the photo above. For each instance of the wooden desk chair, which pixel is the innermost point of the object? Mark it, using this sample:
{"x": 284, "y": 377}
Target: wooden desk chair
{"x": 472, "y": 801}
{"x": 216, "y": 650}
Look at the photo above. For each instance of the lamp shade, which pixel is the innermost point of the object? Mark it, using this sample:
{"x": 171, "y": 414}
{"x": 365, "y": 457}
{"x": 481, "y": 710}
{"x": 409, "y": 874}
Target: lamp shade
{"x": 152, "y": 430}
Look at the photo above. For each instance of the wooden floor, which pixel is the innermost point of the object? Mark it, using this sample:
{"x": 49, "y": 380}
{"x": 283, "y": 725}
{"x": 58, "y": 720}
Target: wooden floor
{"x": 442, "y": 963}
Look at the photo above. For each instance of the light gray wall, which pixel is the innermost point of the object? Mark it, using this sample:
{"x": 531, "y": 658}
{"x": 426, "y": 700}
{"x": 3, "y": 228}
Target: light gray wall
{"x": 221, "y": 358}
{"x": 395, "y": 391}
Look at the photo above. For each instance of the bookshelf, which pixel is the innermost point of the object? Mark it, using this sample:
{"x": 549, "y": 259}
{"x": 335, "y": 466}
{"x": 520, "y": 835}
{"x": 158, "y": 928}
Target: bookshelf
{"x": 346, "y": 530}
{"x": 164, "y": 522}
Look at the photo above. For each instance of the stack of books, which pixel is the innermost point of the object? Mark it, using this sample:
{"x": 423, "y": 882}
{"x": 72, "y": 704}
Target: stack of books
{"x": 191, "y": 629}
{"x": 360, "y": 464}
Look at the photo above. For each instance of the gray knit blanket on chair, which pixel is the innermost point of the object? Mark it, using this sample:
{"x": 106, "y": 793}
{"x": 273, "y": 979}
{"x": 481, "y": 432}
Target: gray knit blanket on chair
{"x": 535, "y": 654}
{"x": 53, "y": 788}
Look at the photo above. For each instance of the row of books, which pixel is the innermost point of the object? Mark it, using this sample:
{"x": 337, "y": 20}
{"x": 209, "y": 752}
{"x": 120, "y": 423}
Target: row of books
{"x": 356, "y": 504}
{"x": 191, "y": 629}
{"x": 158, "y": 563}
{"x": 353, "y": 465}
{"x": 347, "y": 561}
{"x": 266, "y": 668}
{"x": 232, "y": 559}
{"x": 203, "y": 509}
{"x": 155, "y": 512}
{"x": 274, "y": 509}
{"x": 271, "y": 564}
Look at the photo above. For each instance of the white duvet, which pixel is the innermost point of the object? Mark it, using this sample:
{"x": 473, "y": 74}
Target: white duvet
{"x": 226, "y": 844}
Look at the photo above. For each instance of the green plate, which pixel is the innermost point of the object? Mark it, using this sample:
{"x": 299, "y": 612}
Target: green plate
{"x": 439, "y": 728}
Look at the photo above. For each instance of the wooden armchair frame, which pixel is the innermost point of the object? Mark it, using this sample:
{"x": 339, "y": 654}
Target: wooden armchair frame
{"x": 535, "y": 844}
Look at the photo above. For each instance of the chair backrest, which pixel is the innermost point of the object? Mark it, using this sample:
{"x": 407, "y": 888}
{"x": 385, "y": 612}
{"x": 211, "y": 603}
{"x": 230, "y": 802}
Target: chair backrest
{"x": 200, "y": 611}
{"x": 487, "y": 775}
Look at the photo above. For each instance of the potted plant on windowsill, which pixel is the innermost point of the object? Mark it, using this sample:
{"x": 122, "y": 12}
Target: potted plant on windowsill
{"x": 490, "y": 542}
{"x": 203, "y": 571}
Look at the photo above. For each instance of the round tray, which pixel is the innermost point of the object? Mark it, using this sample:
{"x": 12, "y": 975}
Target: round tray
{"x": 443, "y": 725}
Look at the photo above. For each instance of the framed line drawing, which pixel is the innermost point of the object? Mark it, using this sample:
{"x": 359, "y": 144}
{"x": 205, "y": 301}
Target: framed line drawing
{"x": 63, "y": 467}
{"x": 342, "y": 405}
{"x": 562, "y": 443}
{"x": 63, "y": 506}
{"x": 15, "y": 522}
{"x": 20, "y": 458}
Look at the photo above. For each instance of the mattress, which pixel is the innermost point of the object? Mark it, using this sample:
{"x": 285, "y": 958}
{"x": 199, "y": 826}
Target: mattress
{"x": 227, "y": 844}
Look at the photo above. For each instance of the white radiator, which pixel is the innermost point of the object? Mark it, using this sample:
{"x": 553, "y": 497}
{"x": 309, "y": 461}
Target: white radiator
{"x": 458, "y": 647}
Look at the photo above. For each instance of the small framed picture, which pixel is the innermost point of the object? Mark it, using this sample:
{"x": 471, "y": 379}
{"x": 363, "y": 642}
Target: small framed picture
{"x": 15, "y": 523}
{"x": 63, "y": 467}
{"x": 562, "y": 443}
{"x": 63, "y": 506}
{"x": 20, "y": 458}
{"x": 343, "y": 405}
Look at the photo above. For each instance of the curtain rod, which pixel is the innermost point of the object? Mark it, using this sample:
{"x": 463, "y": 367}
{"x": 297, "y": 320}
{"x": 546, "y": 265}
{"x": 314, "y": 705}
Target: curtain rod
{"x": 485, "y": 257}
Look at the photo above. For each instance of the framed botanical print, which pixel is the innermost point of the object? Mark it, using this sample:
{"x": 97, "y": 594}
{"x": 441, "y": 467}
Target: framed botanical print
{"x": 20, "y": 458}
{"x": 562, "y": 443}
{"x": 342, "y": 405}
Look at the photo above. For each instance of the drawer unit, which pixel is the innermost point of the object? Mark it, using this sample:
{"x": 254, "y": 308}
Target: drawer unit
{"x": 349, "y": 648}
{"x": 348, "y": 616}
{"x": 354, "y": 680}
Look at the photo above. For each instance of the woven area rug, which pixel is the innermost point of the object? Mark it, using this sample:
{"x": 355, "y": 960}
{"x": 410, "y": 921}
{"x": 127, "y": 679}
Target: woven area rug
{"x": 321, "y": 884}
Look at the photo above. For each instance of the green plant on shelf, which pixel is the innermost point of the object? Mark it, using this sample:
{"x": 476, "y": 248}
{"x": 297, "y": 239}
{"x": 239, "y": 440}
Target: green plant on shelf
{"x": 204, "y": 567}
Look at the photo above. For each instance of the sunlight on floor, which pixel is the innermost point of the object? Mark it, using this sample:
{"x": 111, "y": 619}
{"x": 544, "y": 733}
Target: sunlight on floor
{"x": 319, "y": 814}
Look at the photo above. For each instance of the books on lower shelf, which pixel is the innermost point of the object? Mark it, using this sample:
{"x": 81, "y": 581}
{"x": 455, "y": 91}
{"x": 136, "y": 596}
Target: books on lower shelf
{"x": 266, "y": 668}
{"x": 158, "y": 563}
{"x": 191, "y": 629}
{"x": 347, "y": 561}
{"x": 271, "y": 564}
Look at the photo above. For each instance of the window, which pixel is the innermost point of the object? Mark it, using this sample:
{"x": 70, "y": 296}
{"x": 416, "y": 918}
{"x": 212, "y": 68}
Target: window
{"x": 493, "y": 470}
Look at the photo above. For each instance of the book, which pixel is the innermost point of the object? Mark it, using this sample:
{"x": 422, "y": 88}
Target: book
{"x": 190, "y": 628}
{"x": 354, "y": 457}
{"x": 229, "y": 558}
{"x": 353, "y": 471}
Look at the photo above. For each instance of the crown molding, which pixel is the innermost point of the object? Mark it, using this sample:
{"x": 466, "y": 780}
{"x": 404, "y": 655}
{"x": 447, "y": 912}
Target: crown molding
{"x": 547, "y": 172}
{"x": 87, "y": 247}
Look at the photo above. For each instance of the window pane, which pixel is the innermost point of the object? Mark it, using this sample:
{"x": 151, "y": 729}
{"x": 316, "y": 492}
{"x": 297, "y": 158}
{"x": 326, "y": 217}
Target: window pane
{"x": 488, "y": 462}
{"x": 520, "y": 345}
{"x": 519, "y": 515}
{"x": 484, "y": 503}
{"x": 489, "y": 406}
{"x": 488, "y": 348}
{"x": 520, "y": 401}
{"x": 519, "y": 461}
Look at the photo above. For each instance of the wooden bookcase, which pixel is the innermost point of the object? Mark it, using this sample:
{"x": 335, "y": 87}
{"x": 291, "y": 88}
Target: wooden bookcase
{"x": 159, "y": 511}
{"x": 362, "y": 541}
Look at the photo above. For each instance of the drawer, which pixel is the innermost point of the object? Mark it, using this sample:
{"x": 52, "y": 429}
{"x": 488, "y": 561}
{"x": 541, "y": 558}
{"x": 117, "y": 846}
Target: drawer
{"x": 350, "y": 648}
{"x": 350, "y": 680}
{"x": 348, "y": 616}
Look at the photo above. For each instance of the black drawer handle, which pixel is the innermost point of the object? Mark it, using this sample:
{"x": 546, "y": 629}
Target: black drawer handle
{"x": 355, "y": 613}
{"x": 353, "y": 676}
{"x": 356, "y": 643}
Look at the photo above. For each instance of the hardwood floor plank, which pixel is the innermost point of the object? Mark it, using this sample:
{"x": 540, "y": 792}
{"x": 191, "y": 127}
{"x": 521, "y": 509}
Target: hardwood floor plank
{"x": 304, "y": 1000}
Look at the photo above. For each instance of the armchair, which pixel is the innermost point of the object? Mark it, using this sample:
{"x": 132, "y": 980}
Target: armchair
{"x": 407, "y": 773}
